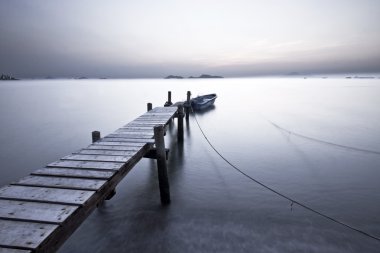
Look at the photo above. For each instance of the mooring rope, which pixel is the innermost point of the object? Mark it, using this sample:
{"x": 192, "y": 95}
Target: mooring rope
{"x": 293, "y": 201}
{"x": 322, "y": 141}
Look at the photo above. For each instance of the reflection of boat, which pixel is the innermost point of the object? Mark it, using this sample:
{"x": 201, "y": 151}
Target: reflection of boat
{"x": 203, "y": 102}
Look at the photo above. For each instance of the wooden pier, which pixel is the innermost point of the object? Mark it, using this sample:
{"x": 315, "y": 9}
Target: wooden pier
{"x": 39, "y": 212}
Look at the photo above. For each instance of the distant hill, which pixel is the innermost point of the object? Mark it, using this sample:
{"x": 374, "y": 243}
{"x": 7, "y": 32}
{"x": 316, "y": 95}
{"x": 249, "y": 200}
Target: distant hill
{"x": 201, "y": 76}
{"x": 7, "y": 77}
{"x": 206, "y": 76}
{"x": 174, "y": 77}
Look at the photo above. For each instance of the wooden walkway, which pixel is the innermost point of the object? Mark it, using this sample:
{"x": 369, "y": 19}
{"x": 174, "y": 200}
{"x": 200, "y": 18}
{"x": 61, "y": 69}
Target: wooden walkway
{"x": 39, "y": 212}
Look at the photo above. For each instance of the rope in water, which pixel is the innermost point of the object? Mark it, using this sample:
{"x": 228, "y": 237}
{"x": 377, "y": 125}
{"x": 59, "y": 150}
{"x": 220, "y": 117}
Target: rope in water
{"x": 323, "y": 141}
{"x": 293, "y": 201}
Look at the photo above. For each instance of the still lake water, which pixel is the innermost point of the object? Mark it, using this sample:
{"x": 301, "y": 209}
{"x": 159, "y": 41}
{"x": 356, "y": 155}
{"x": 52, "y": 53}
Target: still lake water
{"x": 214, "y": 208}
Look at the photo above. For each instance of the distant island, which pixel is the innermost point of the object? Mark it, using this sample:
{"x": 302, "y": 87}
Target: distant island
{"x": 174, "y": 77}
{"x": 206, "y": 76}
{"x": 201, "y": 76}
{"x": 7, "y": 77}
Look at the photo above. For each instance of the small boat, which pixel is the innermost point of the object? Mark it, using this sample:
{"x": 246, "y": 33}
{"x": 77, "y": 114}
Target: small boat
{"x": 203, "y": 102}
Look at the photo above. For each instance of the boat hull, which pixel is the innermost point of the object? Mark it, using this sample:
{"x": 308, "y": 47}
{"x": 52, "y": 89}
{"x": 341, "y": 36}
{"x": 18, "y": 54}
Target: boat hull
{"x": 203, "y": 102}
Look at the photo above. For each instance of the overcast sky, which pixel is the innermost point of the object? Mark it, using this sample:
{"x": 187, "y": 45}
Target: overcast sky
{"x": 150, "y": 38}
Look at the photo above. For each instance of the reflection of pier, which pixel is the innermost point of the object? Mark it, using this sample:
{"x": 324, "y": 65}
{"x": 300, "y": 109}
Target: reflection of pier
{"x": 39, "y": 212}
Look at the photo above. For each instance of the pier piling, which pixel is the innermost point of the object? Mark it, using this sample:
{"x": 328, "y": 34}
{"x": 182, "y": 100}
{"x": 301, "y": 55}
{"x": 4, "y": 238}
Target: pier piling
{"x": 149, "y": 106}
{"x": 169, "y": 102}
{"x": 188, "y": 105}
{"x": 180, "y": 122}
{"x": 161, "y": 164}
{"x": 95, "y": 136}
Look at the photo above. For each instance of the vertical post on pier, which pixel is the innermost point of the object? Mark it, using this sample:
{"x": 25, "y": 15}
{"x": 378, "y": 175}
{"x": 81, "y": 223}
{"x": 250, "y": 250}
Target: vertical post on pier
{"x": 169, "y": 102}
{"x": 188, "y": 105}
{"x": 95, "y": 136}
{"x": 170, "y": 97}
{"x": 180, "y": 115}
{"x": 163, "y": 180}
{"x": 149, "y": 106}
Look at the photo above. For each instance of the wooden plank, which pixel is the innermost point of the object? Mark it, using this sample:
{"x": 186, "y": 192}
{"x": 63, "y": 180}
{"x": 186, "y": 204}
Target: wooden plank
{"x": 164, "y": 110}
{"x": 36, "y": 212}
{"x": 86, "y": 165}
{"x": 61, "y": 182}
{"x": 116, "y": 147}
{"x": 123, "y": 141}
{"x": 157, "y": 121}
{"x": 136, "y": 128}
{"x": 8, "y": 250}
{"x": 145, "y": 123}
{"x": 154, "y": 118}
{"x": 98, "y": 158}
{"x": 47, "y": 195}
{"x": 158, "y": 114}
{"x": 74, "y": 173}
{"x": 107, "y": 152}
{"x": 127, "y": 142}
{"x": 130, "y": 136}
{"x": 130, "y": 132}
{"x": 25, "y": 235}
{"x": 142, "y": 124}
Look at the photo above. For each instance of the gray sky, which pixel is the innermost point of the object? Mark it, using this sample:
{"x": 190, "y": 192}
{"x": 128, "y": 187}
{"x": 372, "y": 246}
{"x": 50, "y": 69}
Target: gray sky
{"x": 148, "y": 38}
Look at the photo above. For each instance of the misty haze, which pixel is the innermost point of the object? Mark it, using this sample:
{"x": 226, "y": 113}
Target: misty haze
{"x": 189, "y": 126}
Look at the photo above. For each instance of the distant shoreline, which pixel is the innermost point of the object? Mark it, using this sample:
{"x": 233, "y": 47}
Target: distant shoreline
{"x": 191, "y": 77}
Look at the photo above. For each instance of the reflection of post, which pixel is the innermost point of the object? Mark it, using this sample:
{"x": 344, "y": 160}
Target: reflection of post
{"x": 163, "y": 180}
{"x": 95, "y": 136}
{"x": 180, "y": 122}
{"x": 188, "y": 105}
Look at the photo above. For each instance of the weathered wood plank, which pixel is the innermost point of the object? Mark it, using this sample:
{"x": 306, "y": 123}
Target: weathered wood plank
{"x": 142, "y": 124}
{"x": 47, "y": 195}
{"x": 121, "y": 133}
{"x": 35, "y": 212}
{"x": 127, "y": 142}
{"x": 153, "y": 118}
{"x": 117, "y": 147}
{"x": 157, "y": 114}
{"x": 27, "y": 235}
{"x": 137, "y": 123}
{"x": 142, "y": 128}
{"x": 8, "y": 250}
{"x": 86, "y": 165}
{"x": 150, "y": 121}
{"x": 61, "y": 182}
{"x": 74, "y": 173}
{"x": 98, "y": 158}
{"x": 123, "y": 141}
{"x": 163, "y": 110}
{"x": 106, "y": 152}
{"x": 129, "y": 136}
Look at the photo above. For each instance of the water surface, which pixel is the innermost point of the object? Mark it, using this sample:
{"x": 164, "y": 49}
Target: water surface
{"x": 214, "y": 208}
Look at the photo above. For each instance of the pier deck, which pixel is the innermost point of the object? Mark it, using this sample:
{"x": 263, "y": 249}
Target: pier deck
{"x": 39, "y": 212}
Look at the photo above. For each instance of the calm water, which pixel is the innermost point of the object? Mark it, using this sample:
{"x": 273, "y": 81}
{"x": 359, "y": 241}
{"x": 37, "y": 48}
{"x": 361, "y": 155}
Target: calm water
{"x": 214, "y": 209}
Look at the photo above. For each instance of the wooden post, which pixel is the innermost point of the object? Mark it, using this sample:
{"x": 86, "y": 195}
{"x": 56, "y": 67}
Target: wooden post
{"x": 149, "y": 106}
{"x": 188, "y": 105}
{"x": 95, "y": 136}
{"x": 163, "y": 180}
{"x": 170, "y": 97}
{"x": 180, "y": 122}
{"x": 169, "y": 102}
